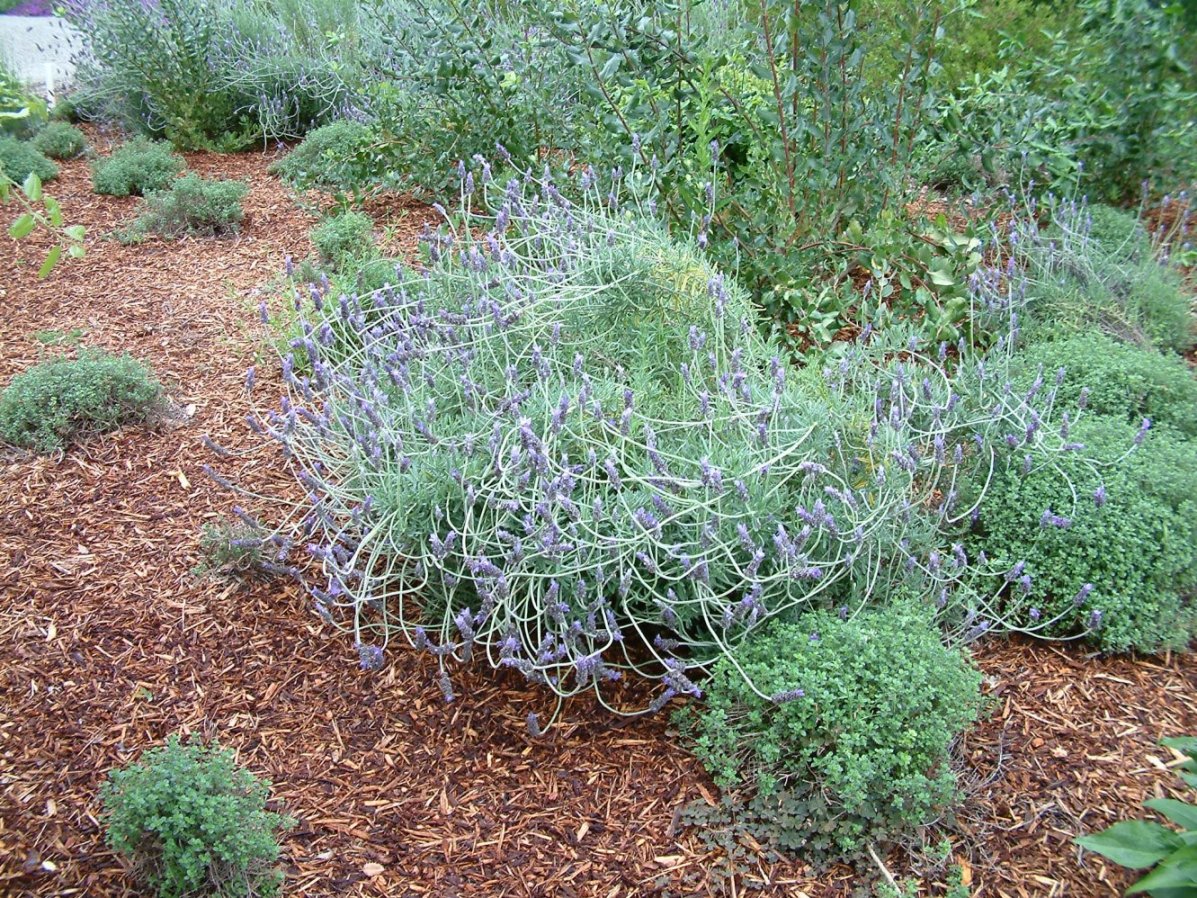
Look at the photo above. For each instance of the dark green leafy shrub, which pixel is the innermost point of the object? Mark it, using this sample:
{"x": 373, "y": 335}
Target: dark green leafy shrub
{"x": 139, "y": 167}
{"x": 21, "y": 113}
{"x": 194, "y": 823}
{"x": 191, "y": 206}
{"x": 343, "y": 237}
{"x": 58, "y": 401}
{"x": 1102, "y": 542}
{"x": 343, "y": 157}
{"x": 18, "y": 160}
{"x": 1171, "y": 853}
{"x": 1118, "y": 380}
{"x": 853, "y": 744}
{"x": 60, "y": 140}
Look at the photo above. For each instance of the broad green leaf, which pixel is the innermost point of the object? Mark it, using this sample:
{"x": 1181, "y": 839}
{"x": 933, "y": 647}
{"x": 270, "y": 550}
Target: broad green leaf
{"x": 75, "y": 251}
{"x": 1133, "y": 843}
{"x": 1179, "y": 812}
{"x": 52, "y": 258}
{"x": 75, "y": 232}
{"x": 32, "y": 187}
{"x": 941, "y": 279}
{"x": 1179, "y": 871}
{"x": 22, "y": 227}
{"x": 53, "y": 210}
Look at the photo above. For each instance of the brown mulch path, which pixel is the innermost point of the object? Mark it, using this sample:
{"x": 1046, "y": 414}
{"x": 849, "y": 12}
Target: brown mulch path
{"x": 109, "y": 643}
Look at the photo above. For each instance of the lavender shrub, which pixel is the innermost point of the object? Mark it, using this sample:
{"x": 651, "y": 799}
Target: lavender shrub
{"x": 563, "y": 447}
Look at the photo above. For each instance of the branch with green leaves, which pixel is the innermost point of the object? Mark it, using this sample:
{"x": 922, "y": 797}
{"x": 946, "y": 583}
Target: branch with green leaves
{"x": 40, "y": 210}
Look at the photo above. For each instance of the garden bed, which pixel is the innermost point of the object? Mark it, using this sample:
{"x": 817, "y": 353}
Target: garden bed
{"x": 110, "y": 643}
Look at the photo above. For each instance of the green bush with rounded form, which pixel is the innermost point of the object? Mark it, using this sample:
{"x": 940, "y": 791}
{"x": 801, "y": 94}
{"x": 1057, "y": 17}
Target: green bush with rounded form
{"x": 18, "y": 160}
{"x": 139, "y": 167}
{"x": 55, "y": 402}
{"x": 60, "y": 140}
{"x": 838, "y": 731}
{"x": 192, "y": 822}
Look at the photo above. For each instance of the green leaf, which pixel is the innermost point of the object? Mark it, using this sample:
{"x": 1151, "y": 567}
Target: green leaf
{"x": 1179, "y": 812}
{"x": 53, "y": 210}
{"x": 1133, "y": 843}
{"x": 75, "y": 251}
{"x": 22, "y": 227}
{"x": 941, "y": 278}
{"x": 52, "y": 258}
{"x": 75, "y": 232}
{"x": 32, "y": 187}
{"x": 1177, "y": 872}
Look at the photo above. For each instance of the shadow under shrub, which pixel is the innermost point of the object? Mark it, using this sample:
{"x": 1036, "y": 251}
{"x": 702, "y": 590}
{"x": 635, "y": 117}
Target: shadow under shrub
{"x": 59, "y": 401}
{"x": 192, "y": 206}
{"x": 845, "y": 739}
{"x": 1102, "y": 544}
{"x": 139, "y": 167}
{"x": 192, "y": 822}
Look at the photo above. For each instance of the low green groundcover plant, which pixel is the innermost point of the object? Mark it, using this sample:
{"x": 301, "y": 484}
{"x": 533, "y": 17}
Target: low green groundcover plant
{"x": 343, "y": 237}
{"x": 192, "y": 822}
{"x": 191, "y": 206}
{"x": 836, "y": 733}
{"x": 60, "y": 140}
{"x": 341, "y": 158}
{"x": 1170, "y": 852}
{"x": 139, "y": 167}
{"x": 1117, "y": 379}
{"x": 1103, "y": 543}
{"x": 19, "y": 159}
{"x": 57, "y": 401}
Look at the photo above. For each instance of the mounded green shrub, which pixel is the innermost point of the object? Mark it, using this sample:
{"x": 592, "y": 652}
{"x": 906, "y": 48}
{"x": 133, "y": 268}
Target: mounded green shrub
{"x": 341, "y": 157}
{"x": 60, "y": 140}
{"x": 194, "y": 823}
{"x": 344, "y": 237}
{"x": 18, "y": 160}
{"x": 191, "y": 206}
{"x": 1118, "y": 233}
{"x": 139, "y": 167}
{"x": 1116, "y": 379}
{"x": 58, "y": 401}
{"x": 1107, "y": 547}
{"x": 850, "y": 743}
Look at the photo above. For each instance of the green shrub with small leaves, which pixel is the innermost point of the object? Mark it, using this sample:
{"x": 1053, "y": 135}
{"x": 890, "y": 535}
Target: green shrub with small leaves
{"x": 192, "y": 206}
{"x": 233, "y": 548}
{"x": 1117, "y": 379}
{"x": 60, "y": 140}
{"x": 1101, "y": 542}
{"x": 344, "y": 237}
{"x": 344, "y": 157}
{"x": 19, "y": 159}
{"x": 837, "y": 732}
{"x": 1170, "y": 852}
{"x": 60, "y": 400}
{"x": 194, "y": 823}
{"x": 139, "y": 167}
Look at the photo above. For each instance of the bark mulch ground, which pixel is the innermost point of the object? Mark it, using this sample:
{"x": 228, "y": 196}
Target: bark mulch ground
{"x": 109, "y": 643}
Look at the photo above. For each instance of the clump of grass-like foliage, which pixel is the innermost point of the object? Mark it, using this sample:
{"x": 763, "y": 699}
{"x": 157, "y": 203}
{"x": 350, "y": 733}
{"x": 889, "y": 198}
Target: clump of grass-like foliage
{"x": 61, "y": 400}
{"x": 239, "y": 546}
{"x": 192, "y": 822}
{"x": 567, "y": 438}
{"x": 137, "y": 168}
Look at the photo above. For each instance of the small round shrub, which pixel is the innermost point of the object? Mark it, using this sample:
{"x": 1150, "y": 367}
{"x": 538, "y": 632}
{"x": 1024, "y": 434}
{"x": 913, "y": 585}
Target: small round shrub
{"x": 60, "y": 140}
{"x": 341, "y": 157}
{"x": 18, "y": 160}
{"x": 58, "y": 401}
{"x": 194, "y": 823}
{"x": 344, "y": 237}
{"x": 853, "y": 744}
{"x": 139, "y": 167}
{"x": 1116, "y": 379}
{"x": 1105, "y": 547}
{"x": 191, "y": 206}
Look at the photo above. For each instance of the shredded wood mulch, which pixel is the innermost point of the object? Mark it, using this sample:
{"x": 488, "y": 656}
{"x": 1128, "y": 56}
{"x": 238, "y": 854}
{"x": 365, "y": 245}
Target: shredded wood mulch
{"x": 109, "y": 643}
